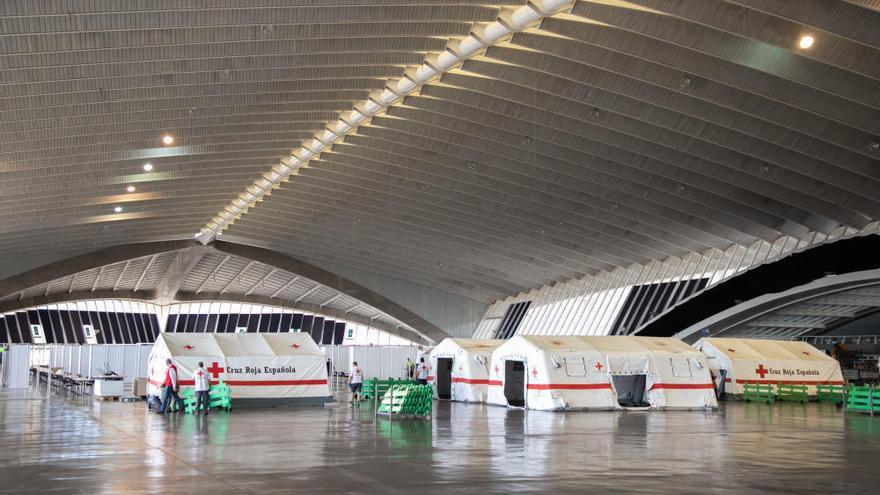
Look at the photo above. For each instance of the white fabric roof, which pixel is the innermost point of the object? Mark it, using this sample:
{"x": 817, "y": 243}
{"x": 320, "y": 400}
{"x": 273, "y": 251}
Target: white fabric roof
{"x": 240, "y": 344}
{"x": 765, "y": 349}
{"x": 609, "y": 344}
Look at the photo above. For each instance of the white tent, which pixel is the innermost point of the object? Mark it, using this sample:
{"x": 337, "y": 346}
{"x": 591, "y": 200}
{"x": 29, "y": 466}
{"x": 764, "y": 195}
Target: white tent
{"x": 268, "y": 368}
{"x": 461, "y": 369}
{"x": 586, "y": 372}
{"x": 768, "y": 361}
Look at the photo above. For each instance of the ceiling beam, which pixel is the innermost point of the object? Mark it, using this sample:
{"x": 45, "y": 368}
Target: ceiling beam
{"x": 429, "y": 331}
{"x": 77, "y": 264}
{"x": 211, "y": 275}
{"x": 836, "y": 312}
{"x": 144, "y": 273}
{"x": 177, "y": 272}
{"x": 782, "y": 323}
{"x": 284, "y": 287}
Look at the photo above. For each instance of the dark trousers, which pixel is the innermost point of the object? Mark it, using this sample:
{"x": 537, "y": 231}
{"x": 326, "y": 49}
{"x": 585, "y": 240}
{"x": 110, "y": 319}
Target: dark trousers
{"x": 423, "y": 381}
{"x": 202, "y": 397}
{"x": 166, "y": 399}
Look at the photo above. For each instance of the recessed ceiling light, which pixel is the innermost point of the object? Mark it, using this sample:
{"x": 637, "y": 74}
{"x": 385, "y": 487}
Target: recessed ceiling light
{"x": 806, "y": 42}
{"x": 148, "y": 167}
{"x": 130, "y": 189}
{"x": 118, "y": 209}
{"x": 167, "y": 139}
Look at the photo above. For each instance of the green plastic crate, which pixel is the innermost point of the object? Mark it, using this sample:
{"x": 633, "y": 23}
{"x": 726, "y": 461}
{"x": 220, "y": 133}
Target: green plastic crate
{"x": 792, "y": 393}
{"x": 219, "y": 397}
{"x": 408, "y": 400}
{"x": 863, "y": 399}
{"x": 758, "y": 392}
{"x": 829, "y": 393}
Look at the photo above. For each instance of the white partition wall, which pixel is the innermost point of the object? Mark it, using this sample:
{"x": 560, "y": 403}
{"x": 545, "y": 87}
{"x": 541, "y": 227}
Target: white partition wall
{"x": 382, "y": 361}
{"x": 128, "y": 360}
{"x": 16, "y": 366}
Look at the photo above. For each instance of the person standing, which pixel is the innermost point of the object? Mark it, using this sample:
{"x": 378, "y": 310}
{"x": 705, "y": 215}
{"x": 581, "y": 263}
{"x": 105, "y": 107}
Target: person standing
{"x": 203, "y": 387}
{"x": 423, "y": 372}
{"x": 410, "y": 370}
{"x": 356, "y": 381}
{"x": 171, "y": 388}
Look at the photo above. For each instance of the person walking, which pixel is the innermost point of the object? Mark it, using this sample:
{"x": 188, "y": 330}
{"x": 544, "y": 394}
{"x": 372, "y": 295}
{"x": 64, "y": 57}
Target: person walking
{"x": 203, "y": 387}
{"x": 423, "y": 372}
{"x": 171, "y": 388}
{"x": 356, "y": 381}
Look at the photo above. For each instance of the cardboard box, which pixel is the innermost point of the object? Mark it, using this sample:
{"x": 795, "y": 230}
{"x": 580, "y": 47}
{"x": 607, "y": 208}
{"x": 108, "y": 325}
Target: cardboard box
{"x": 140, "y": 387}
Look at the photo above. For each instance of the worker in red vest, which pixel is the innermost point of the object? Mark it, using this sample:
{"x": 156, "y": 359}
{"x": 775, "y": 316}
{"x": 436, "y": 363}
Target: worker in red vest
{"x": 172, "y": 387}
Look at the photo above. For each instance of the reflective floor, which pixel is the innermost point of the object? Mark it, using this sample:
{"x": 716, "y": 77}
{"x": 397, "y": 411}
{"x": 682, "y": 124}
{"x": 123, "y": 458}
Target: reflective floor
{"x": 65, "y": 446}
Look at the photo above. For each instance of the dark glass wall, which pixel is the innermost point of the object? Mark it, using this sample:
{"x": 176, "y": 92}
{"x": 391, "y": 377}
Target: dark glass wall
{"x": 323, "y": 331}
{"x": 65, "y": 327}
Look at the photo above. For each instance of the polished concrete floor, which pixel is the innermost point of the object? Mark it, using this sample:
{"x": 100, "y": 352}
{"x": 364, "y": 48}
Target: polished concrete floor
{"x": 56, "y": 445}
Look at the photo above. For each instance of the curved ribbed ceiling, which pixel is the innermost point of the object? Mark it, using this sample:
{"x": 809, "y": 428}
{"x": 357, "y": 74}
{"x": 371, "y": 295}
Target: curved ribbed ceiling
{"x": 611, "y": 133}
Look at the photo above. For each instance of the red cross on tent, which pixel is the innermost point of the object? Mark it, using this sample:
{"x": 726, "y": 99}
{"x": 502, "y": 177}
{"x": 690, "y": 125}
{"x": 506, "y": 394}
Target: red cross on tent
{"x": 599, "y": 366}
{"x": 215, "y": 369}
{"x": 761, "y": 370}
{"x": 188, "y": 347}
{"x": 535, "y": 372}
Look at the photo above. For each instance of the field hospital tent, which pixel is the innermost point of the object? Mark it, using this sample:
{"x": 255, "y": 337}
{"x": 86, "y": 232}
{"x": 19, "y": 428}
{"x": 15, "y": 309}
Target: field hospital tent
{"x": 768, "y": 361}
{"x": 553, "y": 373}
{"x": 260, "y": 368}
{"x": 461, "y": 369}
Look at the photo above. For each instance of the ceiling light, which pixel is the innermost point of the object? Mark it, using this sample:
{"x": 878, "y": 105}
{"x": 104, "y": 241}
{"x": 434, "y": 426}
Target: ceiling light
{"x": 806, "y": 42}
{"x": 167, "y": 139}
{"x": 118, "y": 209}
{"x": 148, "y": 167}
{"x": 130, "y": 188}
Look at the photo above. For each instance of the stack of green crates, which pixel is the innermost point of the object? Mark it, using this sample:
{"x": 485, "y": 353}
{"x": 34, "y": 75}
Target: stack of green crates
{"x": 863, "y": 399}
{"x": 377, "y": 387}
{"x": 219, "y": 397}
{"x": 408, "y": 400}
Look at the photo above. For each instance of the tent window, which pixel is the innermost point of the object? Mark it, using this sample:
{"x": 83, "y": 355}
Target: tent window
{"x": 681, "y": 367}
{"x": 575, "y": 367}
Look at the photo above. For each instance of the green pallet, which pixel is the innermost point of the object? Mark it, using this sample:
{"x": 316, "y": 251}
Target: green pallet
{"x": 792, "y": 393}
{"x": 863, "y": 399}
{"x": 407, "y": 400}
{"x": 830, "y": 393}
{"x": 376, "y": 388}
{"x": 758, "y": 392}
{"x": 219, "y": 397}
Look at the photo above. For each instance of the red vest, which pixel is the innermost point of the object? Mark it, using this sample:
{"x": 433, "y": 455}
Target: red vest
{"x": 168, "y": 382}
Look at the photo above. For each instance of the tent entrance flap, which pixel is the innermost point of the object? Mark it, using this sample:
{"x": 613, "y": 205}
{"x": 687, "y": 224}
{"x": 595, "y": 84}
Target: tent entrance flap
{"x": 630, "y": 390}
{"x": 515, "y": 383}
{"x": 444, "y": 378}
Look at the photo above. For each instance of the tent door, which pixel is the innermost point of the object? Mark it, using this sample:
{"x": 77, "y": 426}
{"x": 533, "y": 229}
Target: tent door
{"x": 444, "y": 378}
{"x": 630, "y": 390}
{"x": 515, "y": 383}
